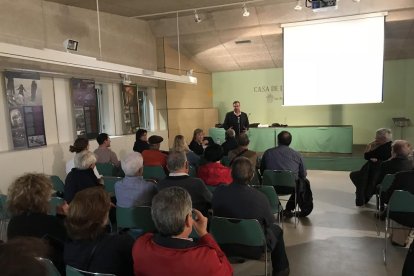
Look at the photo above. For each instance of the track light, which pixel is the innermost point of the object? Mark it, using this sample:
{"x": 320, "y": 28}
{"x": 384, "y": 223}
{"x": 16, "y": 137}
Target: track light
{"x": 197, "y": 18}
{"x": 298, "y": 6}
{"x": 246, "y": 12}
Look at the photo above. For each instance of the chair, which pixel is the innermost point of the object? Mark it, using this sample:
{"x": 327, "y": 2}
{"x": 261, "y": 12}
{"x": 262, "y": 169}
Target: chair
{"x": 246, "y": 232}
{"x": 58, "y": 184}
{"x": 274, "y": 201}
{"x": 105, "y": 169}
{"x": 211, "y": 188}
{"x": 192, "y": 171}
{"x": 109, "y": 183}
{"x": 4, "y": 217}
{"x": 225, "y": 161}
{"x": 382, "y": 188}
{"x": 154, "y": 172}
{"x": 279, "y": 178}
{"x": 401, "y": 202}
{"x": 71, "y": 271}
{"x": 135, "y": 218}
{"x": 50, "y": 267}
{"x": 54, "y": 203}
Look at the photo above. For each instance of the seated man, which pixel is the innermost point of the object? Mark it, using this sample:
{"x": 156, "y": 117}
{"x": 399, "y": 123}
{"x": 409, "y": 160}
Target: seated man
{"x": 230, "y": 143}
{"x": 243, "y": 150}
{"x": 214, "y": 173}
{"x": 153, "y": 156}
{"x": 133, "y": 190}
{"x": 172, "y": 252}
{"x": 238, "y": 200}
{"x": 103, "y": 153}
{"x": 177, "y": 165}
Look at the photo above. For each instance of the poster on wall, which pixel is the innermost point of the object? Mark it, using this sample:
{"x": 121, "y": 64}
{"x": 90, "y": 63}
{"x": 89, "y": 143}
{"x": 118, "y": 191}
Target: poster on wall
{"x": 85, "y": 105}
{"x": 24, "y": 99}
{"x": 130, "y": 108}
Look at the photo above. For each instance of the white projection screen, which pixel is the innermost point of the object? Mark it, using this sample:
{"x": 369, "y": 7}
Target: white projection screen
{"x": 335, "y": 61}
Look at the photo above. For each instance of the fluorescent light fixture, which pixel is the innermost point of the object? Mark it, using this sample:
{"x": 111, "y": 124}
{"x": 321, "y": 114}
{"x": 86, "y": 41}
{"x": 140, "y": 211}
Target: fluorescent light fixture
{"x": 78, "y": 61}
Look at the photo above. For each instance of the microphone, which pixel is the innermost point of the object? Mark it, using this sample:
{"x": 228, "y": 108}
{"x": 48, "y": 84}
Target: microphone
{"x": 238, "y": 122}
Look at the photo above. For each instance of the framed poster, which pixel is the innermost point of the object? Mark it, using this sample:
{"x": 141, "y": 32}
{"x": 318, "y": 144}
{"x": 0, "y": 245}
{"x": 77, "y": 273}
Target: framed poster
{"x": 131, "y": 122}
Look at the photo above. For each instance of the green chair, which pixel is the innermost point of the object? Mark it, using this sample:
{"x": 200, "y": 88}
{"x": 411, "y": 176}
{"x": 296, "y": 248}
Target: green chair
{"x": 225, "y": 161}
{"x": 50, "y": 267}
{"x": 71, "y": 271}
{"x": 135, "y": 218}
{"x": 401, "y": 202}
{"x": 109, "y": 183}
{"x": 105, "y": 169}
{"x": 58, "y": 184}
{"x": 4, "y": 217}
{"x": 211, "y": 188}
{"x": 279, "y": 178}
{"x": 274, "y": 201}
{"x": 154, "y": 172}
{"x": 382, "y": 188}
{"x": 54, "y": 203}
{"x": 233, "y": 231}
{"x": 192, "y": 171}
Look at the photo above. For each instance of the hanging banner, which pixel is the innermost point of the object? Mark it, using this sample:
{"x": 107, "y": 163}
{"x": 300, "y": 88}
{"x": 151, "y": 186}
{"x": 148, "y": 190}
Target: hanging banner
{"x": 24, "y": 99}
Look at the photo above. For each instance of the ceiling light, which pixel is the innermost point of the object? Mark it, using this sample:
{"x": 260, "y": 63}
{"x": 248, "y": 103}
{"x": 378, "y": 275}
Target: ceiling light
{"x": 356, "y": 1}
{"x": 298, "y": 6}
{"x": 197, "y": 18}
{"x": 246, "y": 12}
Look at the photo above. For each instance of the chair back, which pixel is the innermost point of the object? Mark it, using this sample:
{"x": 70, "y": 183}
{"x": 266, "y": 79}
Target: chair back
{"x": 279, "y": 178}
{"x": 225, "y": 161}
{"x": 401, "y": 201}
{"x": 105, "y": 169}
{"x": 211, "y": 188}
{"x": 4, "y": 214}
{"x": 109, "y": 183}
{"x": 192, "y": 171}
{"x": 50, "y": 267}
{"x": 135, "y": 218}
{"x": 386, "y": 182}
{"x": 58, "y": 184}
{"x": 71, "y": 271}
{"x": 271, "y": 195}
{"x": 154, "y": 172}
{"x": 54, "y": 203}
{"x": 247, "y": 232}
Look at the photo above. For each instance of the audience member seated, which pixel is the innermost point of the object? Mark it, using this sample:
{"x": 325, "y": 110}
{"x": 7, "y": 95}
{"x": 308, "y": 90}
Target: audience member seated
{"x": 153, "y": 156}
{"x": 133, "y": 190}
{"x": 198, "y": 143}
{"x": 28, "y": 202}
{"x": 103, "y": 153}
{"x": 214, "y": 173}
{"x": 238, "y": 200}
{"x": 171, "y": 251}
{"x": 230, "y": 142}
{"x": 80, "y": 144}
{"x": 181, "y": 145}
{"x": 365, "y": 179}
{"x": 90, "y": 248}
{"x": 243, "y": 150}
{"x": 141, "y": 141}
{"x": 177, "y": 165}
{"x": 82, "y": 176}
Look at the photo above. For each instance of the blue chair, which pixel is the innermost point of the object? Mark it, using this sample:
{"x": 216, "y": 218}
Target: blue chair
{"x": 105, "y": 169}
{"x": 54, "y": 203}
{"x": 58, "y": 184}
{"x": 154, "y": 172}
{"x": 274, "y": 201}
{"x": 109, "y": 183}
{"x": 137, "y": 218}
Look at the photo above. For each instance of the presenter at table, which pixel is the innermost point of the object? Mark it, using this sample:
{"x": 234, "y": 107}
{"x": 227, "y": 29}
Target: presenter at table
{"x": 236, "y": 120}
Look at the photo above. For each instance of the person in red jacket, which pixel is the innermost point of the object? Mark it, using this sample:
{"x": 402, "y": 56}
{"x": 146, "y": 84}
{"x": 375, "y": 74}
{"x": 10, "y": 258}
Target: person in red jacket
{"x": 214, "y": 173}
{"x": 171, "y": 251}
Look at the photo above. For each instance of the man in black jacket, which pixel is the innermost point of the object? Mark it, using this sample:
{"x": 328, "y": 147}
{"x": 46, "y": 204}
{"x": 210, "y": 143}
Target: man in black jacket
{"x": 236, "y": 120}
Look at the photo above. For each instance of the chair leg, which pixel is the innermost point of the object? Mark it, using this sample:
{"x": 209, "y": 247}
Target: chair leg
{"x": 387, "y": 222}
{"x": 296, "y": 210}
{"x": 266, "y": 260}
{"x": 378, "y": 221}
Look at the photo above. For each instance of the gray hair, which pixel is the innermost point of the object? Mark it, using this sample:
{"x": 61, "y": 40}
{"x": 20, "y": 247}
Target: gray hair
{"x": 176, "y": 160}
{"x": 384, "y": 133}
{"x": 401, "y": 148}
{"x": 243, "y": 140}
{"x": 230, "y": 133}
{"x": 242, "y": 170}
{"x": 132, "y": 163}
{"x": 84, "y": 160}
{"x": 170, "y": 208}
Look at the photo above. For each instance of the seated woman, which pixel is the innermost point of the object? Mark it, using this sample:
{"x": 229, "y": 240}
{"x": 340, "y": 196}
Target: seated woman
{"x": 28, "y": 202}
{"x": 214, "y": 173}
{"x": 141, "y": 141}
{"x": 180, "y": 145}
{"x": 198, "y": 143}
{"x": 366, "y": 178}
{"x": 90, "y": 248}
{"x": 81, "y": 144}
{"x": 82, "y": 176}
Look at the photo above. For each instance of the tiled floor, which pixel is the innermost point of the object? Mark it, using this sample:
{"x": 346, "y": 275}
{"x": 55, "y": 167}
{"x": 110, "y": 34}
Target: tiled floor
{"x": 337, "y": 238}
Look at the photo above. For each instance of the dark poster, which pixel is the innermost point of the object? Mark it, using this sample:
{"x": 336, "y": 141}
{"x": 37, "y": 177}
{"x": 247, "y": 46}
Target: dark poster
{"x": 24, "y": 99}
{"x": 85, "y": 104}
{"x": 130, "y": 107}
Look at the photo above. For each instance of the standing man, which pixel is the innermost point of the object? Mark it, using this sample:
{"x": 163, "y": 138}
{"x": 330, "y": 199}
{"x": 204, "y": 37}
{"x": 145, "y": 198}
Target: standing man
{"x": 236, "y": 120}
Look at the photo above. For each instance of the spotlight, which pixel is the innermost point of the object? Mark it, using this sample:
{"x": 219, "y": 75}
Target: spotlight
{"x": 298, "y": 6}
{"x": 246, "y": 12}
{"x": 197, "y": 18}
{"x": 71, "y": 44}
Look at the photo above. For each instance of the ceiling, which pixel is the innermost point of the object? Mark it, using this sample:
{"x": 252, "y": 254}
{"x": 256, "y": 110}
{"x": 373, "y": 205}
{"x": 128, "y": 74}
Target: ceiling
{"x": 211, "y": 43}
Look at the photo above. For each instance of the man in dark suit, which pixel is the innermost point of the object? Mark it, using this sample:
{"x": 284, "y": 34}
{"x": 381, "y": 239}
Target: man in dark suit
{"x": 239, "y": 200}
{"x": 236, "y": 120}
